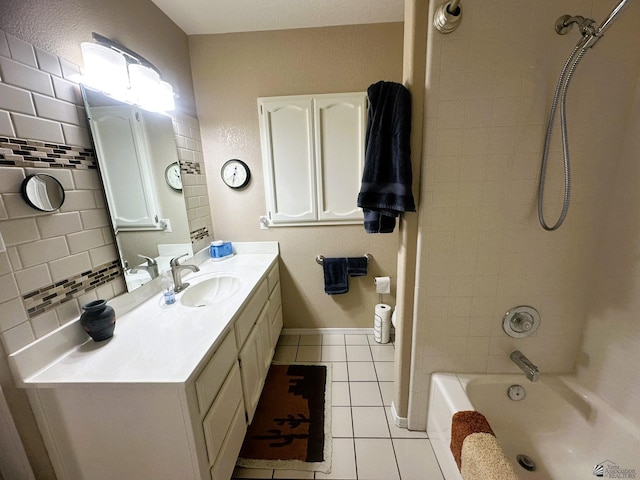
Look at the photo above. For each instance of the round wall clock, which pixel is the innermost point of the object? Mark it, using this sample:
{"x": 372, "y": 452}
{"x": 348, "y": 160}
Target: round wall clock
{"x": 235, "y": 174}
{"x": 172, "y": 176}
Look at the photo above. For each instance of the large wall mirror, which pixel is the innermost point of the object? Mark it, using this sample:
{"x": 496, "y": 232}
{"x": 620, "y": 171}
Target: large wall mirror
{"x": 137, "y": 155}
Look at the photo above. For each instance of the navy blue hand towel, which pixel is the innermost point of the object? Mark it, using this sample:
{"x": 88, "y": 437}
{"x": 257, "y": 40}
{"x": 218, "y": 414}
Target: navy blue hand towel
{"x": 386, "y": 180}
{"x": 336, "y": 279}
{"x": 357, "y": 266}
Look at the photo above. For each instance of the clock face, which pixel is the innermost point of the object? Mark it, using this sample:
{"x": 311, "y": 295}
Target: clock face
{"x": 235, "y": 174}
{"x": 172, "y": 175}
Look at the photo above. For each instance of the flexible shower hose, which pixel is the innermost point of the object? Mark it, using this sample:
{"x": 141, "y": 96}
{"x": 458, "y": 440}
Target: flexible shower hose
{"x": 559, "y": 96}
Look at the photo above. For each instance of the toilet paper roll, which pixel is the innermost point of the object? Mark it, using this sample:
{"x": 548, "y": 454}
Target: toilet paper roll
{"x": 381, "y": 320}
{"x": 383, "y": 284}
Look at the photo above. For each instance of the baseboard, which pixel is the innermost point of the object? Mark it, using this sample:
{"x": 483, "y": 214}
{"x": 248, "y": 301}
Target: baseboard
{"x": 327, "y": 331}
{"x": 401, "y": 422}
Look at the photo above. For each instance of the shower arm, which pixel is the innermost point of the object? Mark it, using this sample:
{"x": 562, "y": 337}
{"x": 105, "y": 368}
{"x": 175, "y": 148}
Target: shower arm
{"x": 590, "y": 34}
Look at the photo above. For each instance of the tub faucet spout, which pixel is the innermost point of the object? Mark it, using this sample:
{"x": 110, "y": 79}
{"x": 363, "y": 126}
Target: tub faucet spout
{"x": 529, "y": 369}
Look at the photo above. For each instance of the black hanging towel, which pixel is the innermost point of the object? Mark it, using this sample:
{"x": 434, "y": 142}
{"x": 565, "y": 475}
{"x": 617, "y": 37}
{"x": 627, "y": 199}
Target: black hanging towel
{"x": 386, "y": 181}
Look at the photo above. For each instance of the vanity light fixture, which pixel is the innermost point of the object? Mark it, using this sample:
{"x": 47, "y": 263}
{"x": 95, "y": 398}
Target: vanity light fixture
{"x": 124, "y": 75}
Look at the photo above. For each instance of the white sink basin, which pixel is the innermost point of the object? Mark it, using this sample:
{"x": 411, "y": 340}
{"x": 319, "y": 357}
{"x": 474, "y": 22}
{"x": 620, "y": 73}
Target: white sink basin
{"x": 210, "y": 290}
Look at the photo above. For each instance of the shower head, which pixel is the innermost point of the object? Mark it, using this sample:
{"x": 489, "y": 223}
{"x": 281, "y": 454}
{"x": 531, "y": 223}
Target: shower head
{"x": 590, "y": 40}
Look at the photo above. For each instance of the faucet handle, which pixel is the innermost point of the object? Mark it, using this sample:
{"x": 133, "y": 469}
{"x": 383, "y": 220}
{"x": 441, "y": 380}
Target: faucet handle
{"x": 150, "y": 261}
{"x": 174, "y": 261}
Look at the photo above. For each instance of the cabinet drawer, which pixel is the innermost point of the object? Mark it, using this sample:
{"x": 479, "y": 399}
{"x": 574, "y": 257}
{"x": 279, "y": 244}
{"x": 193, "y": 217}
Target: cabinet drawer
{"x": 209, "y": 381}
{"x": 226, "y": 461}
{"x": 249, "y": 315}
{"x": 273, "y": 277}
{"x": 217, "y": 422}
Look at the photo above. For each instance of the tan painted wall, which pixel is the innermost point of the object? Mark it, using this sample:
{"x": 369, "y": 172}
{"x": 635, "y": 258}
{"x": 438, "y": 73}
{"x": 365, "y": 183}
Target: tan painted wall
{"x": 59, "y": 27}
{"x": 230, "y": 72}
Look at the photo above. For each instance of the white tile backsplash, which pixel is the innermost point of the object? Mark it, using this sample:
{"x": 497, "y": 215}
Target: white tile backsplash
{"x": 17, "y": 337}
{"x": 42, "y": 251}
{"x": 4, "y": 46}
{"x": 22, "y": 51}
{"x": 69, "y": 266}
{"x": 16, "y": 100}
{"x": 48, "y": 63}
{"x": 45, "y": 323}
{"x": 6, "y": 126}
{"x": 58, "y": 224}
{"x": 11, "y": 179}
{"x": 8, "y": 287}
{"x": 85, "y": 240}
{"x": 13, "y": 314}
{"x": 75, "y": 135}
{"x": 33, "y": 278}
{"x": 94, "y": 218}
{"x": 34, "y": 127}
{"x": 67, "y": 91}
{"x": 19, "y": 231}
{"x": 54, "y": 109}
{"x": 26, "y": 77}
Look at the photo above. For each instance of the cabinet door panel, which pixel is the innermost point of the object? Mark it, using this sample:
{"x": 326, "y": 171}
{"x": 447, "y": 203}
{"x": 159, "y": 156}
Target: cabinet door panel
{"x": 288, "y": 144}
{"x": 217, "y": 423}
{"x": 340, "y": 126}
{"x": 209, "y": 381}
{"x": 223, "y": 469}
{"x": 251, "y": 369}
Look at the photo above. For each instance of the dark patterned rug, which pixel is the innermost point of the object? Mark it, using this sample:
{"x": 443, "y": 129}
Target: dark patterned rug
{"x": 291, "y": 428}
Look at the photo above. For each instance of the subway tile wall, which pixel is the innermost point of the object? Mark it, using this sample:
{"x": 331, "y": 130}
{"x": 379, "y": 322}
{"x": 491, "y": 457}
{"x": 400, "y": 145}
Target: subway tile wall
{"x": 52, "y": 263}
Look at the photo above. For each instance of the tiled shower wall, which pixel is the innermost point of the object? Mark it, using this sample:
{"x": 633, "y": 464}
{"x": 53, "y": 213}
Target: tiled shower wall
{"x": 481, "y": 251}
{"x": 52, "y": 263}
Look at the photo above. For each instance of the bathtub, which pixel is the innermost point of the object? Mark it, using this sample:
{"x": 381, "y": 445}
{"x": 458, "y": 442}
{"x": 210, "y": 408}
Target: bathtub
{"x": 565, "y": 430}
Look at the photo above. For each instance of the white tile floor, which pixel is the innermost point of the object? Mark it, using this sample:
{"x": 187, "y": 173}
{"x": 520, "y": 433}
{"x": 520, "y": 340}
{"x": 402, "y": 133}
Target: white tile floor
{"x": 366, "y": 442}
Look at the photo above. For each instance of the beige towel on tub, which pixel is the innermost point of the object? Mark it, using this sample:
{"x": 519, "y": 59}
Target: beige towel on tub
{"x": 484, "y": 459}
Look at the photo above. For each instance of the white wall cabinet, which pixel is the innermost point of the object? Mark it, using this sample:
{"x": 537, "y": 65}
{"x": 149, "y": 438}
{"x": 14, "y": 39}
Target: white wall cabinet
{"x": 187, "y": 431}
{"x": 313, "y": 157}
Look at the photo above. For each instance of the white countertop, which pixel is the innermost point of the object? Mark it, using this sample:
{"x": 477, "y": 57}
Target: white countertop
{"x": 153, "y": 343}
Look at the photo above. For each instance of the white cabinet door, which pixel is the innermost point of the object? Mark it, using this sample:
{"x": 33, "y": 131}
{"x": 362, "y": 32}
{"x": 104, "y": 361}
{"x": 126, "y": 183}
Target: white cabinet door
{"x": 251, "y": 368}
{"x": 340, "y": 127}
{"x": 313, "y": 157}
{"x": 287, "y": 146}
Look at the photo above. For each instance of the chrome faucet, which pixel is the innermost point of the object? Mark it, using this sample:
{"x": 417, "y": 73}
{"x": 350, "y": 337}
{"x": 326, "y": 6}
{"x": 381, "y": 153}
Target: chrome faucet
{"x": 529, "y": 369}
{"x": 176, "y": 270}
{"x": 151, "y": 267}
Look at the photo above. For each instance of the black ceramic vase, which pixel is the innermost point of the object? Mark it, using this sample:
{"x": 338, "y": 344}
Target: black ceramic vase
{"x": 98, "y": 320}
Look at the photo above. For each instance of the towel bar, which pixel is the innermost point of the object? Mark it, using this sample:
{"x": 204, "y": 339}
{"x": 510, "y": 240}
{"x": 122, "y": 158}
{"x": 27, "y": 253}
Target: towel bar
{"x": 320, "y": 258}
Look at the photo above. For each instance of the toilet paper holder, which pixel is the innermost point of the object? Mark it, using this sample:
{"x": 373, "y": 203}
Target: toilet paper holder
{"x": 320, "y": 258}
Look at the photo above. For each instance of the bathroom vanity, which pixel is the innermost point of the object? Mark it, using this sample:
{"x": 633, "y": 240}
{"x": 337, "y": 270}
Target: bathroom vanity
{"x": 170, "y": 395}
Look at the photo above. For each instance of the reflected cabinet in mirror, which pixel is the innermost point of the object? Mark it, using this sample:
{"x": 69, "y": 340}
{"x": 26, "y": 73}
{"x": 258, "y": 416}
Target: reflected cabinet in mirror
{"x": 135, "y": 149}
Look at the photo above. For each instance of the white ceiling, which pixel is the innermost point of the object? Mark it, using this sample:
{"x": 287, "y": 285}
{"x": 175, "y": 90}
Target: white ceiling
{"x": 226, "y": 16}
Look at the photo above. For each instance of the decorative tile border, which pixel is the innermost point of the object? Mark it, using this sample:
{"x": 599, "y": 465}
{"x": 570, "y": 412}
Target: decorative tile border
{"x": 49, "y": 297}
{"x": 15, "y": 152}
{"x": 193, "y": 168}
{"x": 199, "y": 234}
